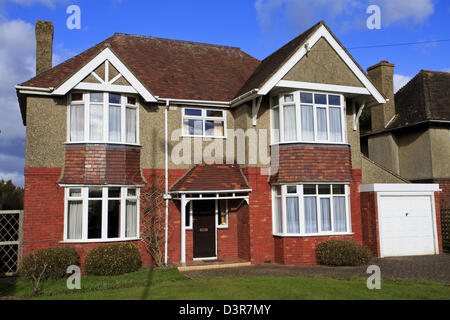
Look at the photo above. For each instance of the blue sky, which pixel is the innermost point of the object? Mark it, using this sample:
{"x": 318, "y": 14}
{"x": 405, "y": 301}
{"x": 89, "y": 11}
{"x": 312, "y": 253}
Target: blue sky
{"x": 258, "y": 27}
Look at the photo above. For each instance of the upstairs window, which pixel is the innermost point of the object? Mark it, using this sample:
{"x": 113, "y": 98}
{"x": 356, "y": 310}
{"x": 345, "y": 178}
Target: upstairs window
{"x": 208, "y": 123}
{"x": 102, "y": 117}
{"x": 308, "y": 117}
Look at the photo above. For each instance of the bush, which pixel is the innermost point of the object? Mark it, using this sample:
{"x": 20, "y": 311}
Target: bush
{"x": 55, "y": 260}
{"x": 342, "y": 253}
{"x": 113, "y": 259}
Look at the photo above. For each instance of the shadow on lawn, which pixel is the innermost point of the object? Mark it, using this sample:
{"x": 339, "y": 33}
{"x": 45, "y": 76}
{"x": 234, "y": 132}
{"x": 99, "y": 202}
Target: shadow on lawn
{"x": 149, "y": 283}
{"x": 7, "y": 287}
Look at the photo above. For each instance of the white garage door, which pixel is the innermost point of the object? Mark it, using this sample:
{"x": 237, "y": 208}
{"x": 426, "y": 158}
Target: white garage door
{"x": 406, "y": 225}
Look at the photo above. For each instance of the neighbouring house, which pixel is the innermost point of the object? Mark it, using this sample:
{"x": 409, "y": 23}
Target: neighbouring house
{"x": 260, "y": 160}
{"x": 411, "y": 137}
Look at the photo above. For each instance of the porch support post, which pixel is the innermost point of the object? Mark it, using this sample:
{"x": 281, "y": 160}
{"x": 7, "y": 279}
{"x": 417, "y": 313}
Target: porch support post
{"x": 183, "y": 229}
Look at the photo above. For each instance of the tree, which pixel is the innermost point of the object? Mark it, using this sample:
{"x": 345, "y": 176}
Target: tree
{"x": 11, "y": 197}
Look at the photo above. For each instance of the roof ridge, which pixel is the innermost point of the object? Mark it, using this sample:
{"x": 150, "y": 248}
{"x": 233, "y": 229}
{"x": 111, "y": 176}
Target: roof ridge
{"x": 175, "y": 40}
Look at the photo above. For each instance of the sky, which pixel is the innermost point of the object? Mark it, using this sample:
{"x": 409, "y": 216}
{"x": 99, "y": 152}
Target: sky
{"x": 258, "y": 27}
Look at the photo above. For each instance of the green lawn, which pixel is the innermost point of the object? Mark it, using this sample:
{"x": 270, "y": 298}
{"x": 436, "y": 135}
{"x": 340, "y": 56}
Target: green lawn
{"x": 170, "y": 284}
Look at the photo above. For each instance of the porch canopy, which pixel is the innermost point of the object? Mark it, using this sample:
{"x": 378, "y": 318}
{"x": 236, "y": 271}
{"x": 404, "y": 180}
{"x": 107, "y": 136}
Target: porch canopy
{"x": 211, "y": 181}
{"x": 208, "y": 182}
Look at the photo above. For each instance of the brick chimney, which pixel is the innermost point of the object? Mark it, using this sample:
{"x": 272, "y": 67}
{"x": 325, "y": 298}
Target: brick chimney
{"x": 44, "y": 45}
{"x": 382, "y": 76}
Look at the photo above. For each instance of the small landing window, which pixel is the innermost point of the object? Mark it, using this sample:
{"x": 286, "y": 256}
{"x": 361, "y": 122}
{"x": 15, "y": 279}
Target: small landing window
{"x": 208, "y": 123}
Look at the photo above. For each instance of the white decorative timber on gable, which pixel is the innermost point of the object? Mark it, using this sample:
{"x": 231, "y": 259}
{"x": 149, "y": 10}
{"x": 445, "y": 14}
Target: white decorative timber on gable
{"x": 106, "y": 84}
{"x": 322, "y": 32}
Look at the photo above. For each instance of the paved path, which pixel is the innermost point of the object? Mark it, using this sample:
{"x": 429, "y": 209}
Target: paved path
{"x": 418, "y": 268}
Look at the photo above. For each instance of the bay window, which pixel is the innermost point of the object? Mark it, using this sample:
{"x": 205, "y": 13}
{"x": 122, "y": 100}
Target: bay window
{"x": 203, "y": 122}
{"x": 102, "y": 117}
{"x": 310, "y": 209}
{"x": 100, "y": 213}
{"x": 302, "y": 116}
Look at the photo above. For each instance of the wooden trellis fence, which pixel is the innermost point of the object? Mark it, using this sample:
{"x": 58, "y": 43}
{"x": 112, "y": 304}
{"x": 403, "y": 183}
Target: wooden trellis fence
{"x": 11, "y": 225}
{"x": 445, "y": 227}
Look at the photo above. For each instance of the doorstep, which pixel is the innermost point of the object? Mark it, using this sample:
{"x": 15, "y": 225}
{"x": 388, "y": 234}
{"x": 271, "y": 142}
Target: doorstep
{"x": 213, "y": 264}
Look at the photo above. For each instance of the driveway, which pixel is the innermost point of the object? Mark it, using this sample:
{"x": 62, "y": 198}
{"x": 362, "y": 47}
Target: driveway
{"x": 434, "y": 268}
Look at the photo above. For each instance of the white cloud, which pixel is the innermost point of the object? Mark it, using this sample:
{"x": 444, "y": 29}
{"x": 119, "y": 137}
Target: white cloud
{"x": 47, "y": 3}
{"x": 446, "y": 70}
{"x": 400, "y": 80}
{"x": 350, "y": 14}
{"x": 17, "y": 178}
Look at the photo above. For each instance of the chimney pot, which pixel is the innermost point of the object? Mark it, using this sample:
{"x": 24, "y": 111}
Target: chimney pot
{"x": 44, "y": 45}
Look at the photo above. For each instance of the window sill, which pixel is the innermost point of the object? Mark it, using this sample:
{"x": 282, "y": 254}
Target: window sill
{"x": 310, "y": 142}
{"x": 222, "y": 227}
{"x": 102, "y": 142}
{"x": 298, "y": 235}
{"x": 100, "y": 240}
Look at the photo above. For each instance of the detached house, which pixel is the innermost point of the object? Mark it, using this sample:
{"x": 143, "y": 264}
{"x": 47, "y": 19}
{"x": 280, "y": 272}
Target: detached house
{"x": 260, "y": 160}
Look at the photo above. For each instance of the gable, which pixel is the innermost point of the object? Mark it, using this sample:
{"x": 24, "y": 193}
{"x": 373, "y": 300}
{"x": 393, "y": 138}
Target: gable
{"x": 114, "y": 76}
{"x": 323, "y": 65}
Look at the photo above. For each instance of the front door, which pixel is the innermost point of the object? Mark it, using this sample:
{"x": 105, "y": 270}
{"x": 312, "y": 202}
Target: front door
{"x": 204, "y": 228}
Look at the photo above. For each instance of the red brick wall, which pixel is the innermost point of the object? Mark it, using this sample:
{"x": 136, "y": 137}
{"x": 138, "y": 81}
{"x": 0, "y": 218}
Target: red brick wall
{"x": 260, "y": 216}
{"x": 369, "y": 215}
{"x": 243, "y": 231}
{"x": 314, "y": 163}
{"x": 102, "y": 165}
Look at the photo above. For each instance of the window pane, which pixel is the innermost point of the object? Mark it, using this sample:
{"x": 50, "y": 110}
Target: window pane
{"x": 291, "y": 189}
{"x": 338, "y": 189}
{"x": 278, "y": 215}
{"x": 320, "y": 98}
{"x": 214, "y": 128}
{"x": 288, "y": 98}
{"x": 335, "y": 124}
{"x": 131, "y": 100}
{"x": 276, "y": 125}
{"x": 114, "y": 192}
{"x": 310, "y": 214}
{"x": 113, "y": 218}
{"x": 307, "y": 123}
{"x": 192, "y": 112}
{"x": 274, "y": 101}
{"x": 114, "y": 123}
{"x": 95, "y": 192}
{"x": 131, "y": 125}
{"x": 305, "y": 97}
{"x": 334, "y": 100}
{"x": 187, "y": 217}
{"x": 114, "y": 98}
{"x": 290, "y": 127}
{"x": 309, "y": 189}
{"x": 322, "y": 133}
{"x": 131, "y": 219}
{"x": 96, "y": 96}
{"x": 94, "y": 219}
{"x": 278, "y": 190}
{"x": 214, "y": 113}
{"x": 131, "y": 192}
{"x": 193, "y": 127}
{"x": 75, "y": 219}
{"x": 77, "y": 96}
{"x": 325, "y": 214}
{"x": 222, "y": 210}
{"x": 324, "y": 188}
{"x": 340, "y": 220}
{"x": 292, "y": 215}
{"x": 76, "y": 122}
{"x": 75, "y": 192}
{"x": 96, "y": 122}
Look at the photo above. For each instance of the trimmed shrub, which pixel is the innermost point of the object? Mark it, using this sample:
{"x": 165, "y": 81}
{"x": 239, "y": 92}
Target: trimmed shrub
{"x": 342, "y": 253}
{"x": 55, "y": 260}
{"x": 113, "y": 259}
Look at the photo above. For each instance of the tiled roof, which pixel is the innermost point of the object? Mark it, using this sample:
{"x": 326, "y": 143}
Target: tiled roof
{"x": 425, "y": 97}
{"x": 167, "y": 68}
{"x": 209, "y": 177}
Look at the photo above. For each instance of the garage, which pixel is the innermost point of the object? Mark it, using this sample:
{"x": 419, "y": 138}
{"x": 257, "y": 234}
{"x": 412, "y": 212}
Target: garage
{"x": 405, "y": 218}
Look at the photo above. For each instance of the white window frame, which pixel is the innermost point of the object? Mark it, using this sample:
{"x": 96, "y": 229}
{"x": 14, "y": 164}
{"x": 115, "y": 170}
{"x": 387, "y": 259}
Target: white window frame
{"x": 123, "y": 105}
{"x": 85, "y": 206}
{"x": 297, "y": 103}
{"x": 222, "y": 226}
{"x": 203, "y": 118}
{"x": 299, "y": 194}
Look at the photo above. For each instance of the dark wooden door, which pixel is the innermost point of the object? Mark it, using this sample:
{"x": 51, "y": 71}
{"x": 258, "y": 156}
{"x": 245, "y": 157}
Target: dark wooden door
{"x": 204, "y": 229}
